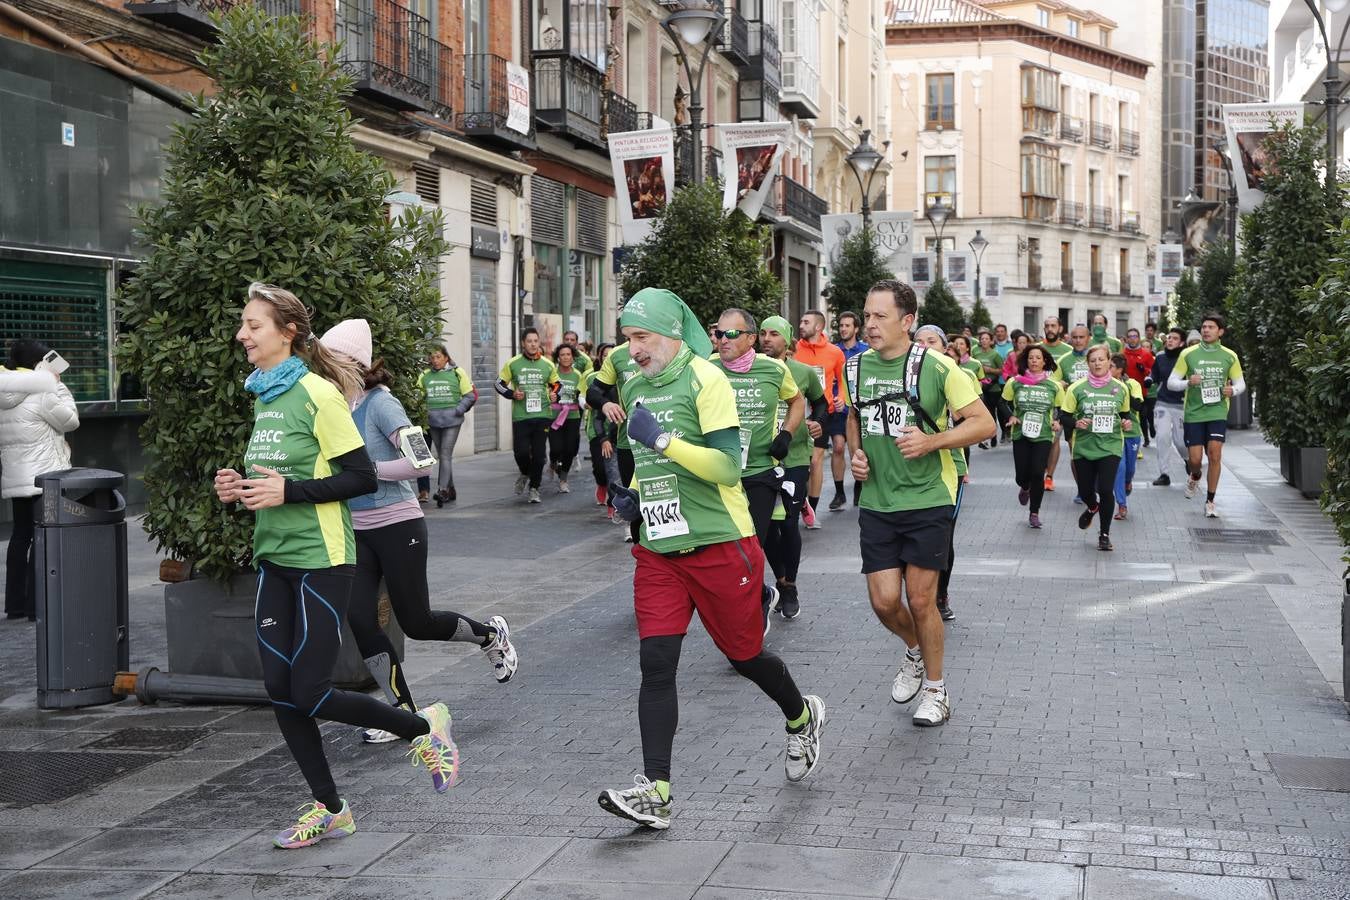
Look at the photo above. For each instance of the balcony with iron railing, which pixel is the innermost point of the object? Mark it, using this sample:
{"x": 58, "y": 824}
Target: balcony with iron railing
{"x": 801, "y": 86}
{"x": 765, "y": 60}
{"x": 567, "y": 96}
{"x": 1070, "y": 128}
{"x": 1096, "y": 283}
{"x": 1129, "y": 142}
{"x": 194, "y": 16}
{"x": 620, "y": 114}
{"x": 487, "y": 104}
{"x": 734, "y": 42}
{"x": 1124, "y": 284}
{"x": 797, "y": 202}
{"x": 1102, "y": 135}
{"x": 1101, "y": 217}
{"x": 1070, "y": 213}
{"x": 684, "y": 159}
{"x": 1129, "y": 221}
{"x": 390, "y": 52}
{"x": 1066, "y": 280}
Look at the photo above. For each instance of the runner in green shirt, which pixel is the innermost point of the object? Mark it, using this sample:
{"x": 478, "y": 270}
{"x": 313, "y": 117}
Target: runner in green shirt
{"x": 991, "y": 370}
{"x": 698, "y": 550}
{"x": 529, "y": 380}
{"x": 1035, "y": 398}
{"x": 1101, "y": 336}
{"x": 1071, "y": 366}
{"x": 1211, "y": 375}
{"x": 564, "y": 436}
{"x": 305, "y": 458}
{"x": 1054, "y": 338}
{"x": 583, "y": 361}
{"x": 1151, "y": 338}
{"x": 450, "y": 395}
{"x": 909, "y": 482}
{"x": 602, "y": 395}
{"x": 784, "y": 546}
{"x": 1099, "y": 406}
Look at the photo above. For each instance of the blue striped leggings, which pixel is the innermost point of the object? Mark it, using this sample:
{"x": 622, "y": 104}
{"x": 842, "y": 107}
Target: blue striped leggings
{"x": 298, "y": 615}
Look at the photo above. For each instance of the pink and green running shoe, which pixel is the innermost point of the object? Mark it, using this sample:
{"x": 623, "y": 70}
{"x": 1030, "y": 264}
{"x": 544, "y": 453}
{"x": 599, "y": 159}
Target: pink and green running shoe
{"x": 436, "y": 750}
{"x": 315, "y": 824}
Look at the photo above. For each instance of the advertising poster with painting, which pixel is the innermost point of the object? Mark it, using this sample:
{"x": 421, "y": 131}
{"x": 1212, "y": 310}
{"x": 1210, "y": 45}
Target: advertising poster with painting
{"x": 754, "y": 149}
{"x": 643, "y": 163}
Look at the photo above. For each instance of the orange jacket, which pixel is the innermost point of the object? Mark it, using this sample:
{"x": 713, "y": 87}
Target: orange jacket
{"x": 828, "y": 361}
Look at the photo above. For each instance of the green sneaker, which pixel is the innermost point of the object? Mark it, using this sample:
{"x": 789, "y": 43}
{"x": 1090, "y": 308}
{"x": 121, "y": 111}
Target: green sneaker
{"x": 315, "y": 824}
{"x": 641, "y": 803}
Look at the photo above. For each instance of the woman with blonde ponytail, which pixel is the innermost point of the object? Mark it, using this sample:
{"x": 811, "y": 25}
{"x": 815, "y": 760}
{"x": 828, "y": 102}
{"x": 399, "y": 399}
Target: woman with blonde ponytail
{"x": 305, "y": 459}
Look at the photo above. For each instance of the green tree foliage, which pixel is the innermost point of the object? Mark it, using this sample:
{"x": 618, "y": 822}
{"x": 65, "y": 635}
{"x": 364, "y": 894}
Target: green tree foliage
{"x": 264, "y": 183}
{"x": 860, "y": 267}
{"x": 711, "y": 258}
{"x": 1187, "y": 303}
{"x": 1287, "y": 243}
{"x": 979, "y": 316}
{"x": 1325, "y": 356}
{"x": 941, "y": 308}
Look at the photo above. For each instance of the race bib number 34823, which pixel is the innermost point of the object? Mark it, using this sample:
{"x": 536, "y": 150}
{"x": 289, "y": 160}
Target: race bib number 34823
{"x": 661, "y": 514}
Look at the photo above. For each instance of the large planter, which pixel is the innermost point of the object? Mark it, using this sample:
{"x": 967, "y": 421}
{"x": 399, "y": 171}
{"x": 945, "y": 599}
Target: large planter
{"x": 210, "y": 632}
{"x": 1287, "y": 456}
{"x": 1240, "y": 411}
{"x": 1345, "y": 641}
{"x": 1310, "y": 470}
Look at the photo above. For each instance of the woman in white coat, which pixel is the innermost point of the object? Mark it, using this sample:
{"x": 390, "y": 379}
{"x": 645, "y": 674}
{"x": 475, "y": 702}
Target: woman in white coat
{"x": 36, "y": 412}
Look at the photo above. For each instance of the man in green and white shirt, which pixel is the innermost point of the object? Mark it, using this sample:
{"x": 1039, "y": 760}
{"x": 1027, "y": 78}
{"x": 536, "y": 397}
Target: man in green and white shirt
{"x": 909, "y": 483}
{"x": 529, "y": 380}
{"x": 1211, "y": 375}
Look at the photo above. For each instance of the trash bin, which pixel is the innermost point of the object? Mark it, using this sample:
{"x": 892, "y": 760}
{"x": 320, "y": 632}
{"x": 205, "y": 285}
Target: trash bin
{"x": 80, "y": 558}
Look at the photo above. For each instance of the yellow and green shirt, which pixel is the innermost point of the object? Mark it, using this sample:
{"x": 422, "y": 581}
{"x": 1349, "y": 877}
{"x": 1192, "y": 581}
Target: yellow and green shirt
{"x": 1101, "y": 406}
{"x": 616, "y": 370}
{"x": 533, "y": 378}
{"x": 1217, "y": 366}
{"x": 569, "y": 389}
{"x": 1034, "y": 406}
{"x": 757, "y": 393}
{"x": 297, "y": 434}
{"x": 444, "y": 388}
{"x": 1072, "y": 367}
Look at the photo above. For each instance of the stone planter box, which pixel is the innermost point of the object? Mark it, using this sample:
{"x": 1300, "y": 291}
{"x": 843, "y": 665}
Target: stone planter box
{"x": 210, "y": 632}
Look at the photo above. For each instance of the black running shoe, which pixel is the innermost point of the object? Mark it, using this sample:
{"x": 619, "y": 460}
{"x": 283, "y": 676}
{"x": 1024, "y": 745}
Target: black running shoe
{"x": 837, "y": 503}
{"x": 1085, "y": 517}
{"x": 1104, "y": 542}
{"x": 1162, "y": 481}
{"x": 945, "y": 609}
{"x": 788, "y": 605}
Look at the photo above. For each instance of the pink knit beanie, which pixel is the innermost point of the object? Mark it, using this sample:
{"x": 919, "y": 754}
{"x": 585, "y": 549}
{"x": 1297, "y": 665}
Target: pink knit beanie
{"x": 350, "y": 337}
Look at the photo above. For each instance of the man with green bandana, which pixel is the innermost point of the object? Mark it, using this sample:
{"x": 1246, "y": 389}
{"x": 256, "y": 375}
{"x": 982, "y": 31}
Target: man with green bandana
{"x": 759, "y": 384}
{"x": 697, "y": 549}
{"x": 784, "y": 546}
{"x": 1100, "y": 335}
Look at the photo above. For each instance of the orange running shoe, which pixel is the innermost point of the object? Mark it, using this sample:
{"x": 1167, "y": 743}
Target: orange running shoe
{"x": 1049, "y": 482}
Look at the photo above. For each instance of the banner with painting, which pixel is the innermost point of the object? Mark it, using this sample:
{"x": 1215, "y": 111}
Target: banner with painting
{"x": 643, "y": 163}
{"x": 921, "y": 271}
{"x": 1248, "y": 125}
{"x": 751, "y": 152}
{"x": 960, "y": 273}
{"x": 890, "y": 235}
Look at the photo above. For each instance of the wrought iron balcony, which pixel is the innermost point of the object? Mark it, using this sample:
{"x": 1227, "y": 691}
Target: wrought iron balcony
{"x": 194, "y": 16}
{"x": 734, "y": 42}
{"x": 487, "y": 103}
{"x": 1096, "y": 284}
{"x": 1066, "y": 280}
{"x": 1102, "y": 135}
{"x": 796, "y": 201}
{"x": 1129, "y": 142}
{"x": 621, "y": 114}
{"x": 1129, "y": 222}
{"x": 1070, "y": 128}
{"x": 765, "y": 60}
{"x": 1101, "y": 217}
{"x": 1070, "y": 213}
{"x": 390, "y": 52}
{"x": 567, "y": 94}
{"x": 684, "y": 158}
{"x": 1124, "y": 284}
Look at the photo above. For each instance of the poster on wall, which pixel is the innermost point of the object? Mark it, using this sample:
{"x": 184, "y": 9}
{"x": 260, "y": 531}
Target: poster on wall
{"x": 921, "y": 270}
{"x": 644, "y": 173}
{"x": 517, "y": 98}
{"x": 890, "y": 236}
{"x": 754, "y": 148}
{"x": 1247, "y": 126}
{"x": 1155, "y": 293}
{"x": 960, "y": 277}
{"x": 993, "y": 288}
{"x": 1170, "y": 265}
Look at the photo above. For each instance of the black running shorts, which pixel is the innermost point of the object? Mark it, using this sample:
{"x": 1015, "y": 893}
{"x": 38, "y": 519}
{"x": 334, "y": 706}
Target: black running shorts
{"x": 916, "y": 537}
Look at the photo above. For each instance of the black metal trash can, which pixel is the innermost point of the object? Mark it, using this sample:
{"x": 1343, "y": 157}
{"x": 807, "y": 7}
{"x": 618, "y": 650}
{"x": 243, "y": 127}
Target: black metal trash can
{"x": 80, "y": 557}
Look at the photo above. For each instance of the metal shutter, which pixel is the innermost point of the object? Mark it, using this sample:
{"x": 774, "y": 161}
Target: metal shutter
{"x": 591, "y": 222}
{"x": 548, "y": 207}
{"x": 428, "y": 183}
{"x": 483, "y": 203}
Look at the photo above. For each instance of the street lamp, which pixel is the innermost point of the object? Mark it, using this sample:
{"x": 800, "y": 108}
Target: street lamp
{"x": 864, "y": 160}
{"x": 937, "y": 216}
{"x": 1226, "y": 154}
{"x": 689, "y": 28}
{"x": 977, "y": 246}
{"x": 1332, "y": 82}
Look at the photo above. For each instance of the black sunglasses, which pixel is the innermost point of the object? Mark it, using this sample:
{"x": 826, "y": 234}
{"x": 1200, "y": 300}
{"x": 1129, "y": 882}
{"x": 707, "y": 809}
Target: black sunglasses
{"x": 730, "y": 334}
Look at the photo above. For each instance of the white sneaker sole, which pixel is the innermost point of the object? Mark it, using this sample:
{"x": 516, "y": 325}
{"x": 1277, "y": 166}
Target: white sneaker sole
{"x": 378, "y": 736}
{"x": 611, "y": 804}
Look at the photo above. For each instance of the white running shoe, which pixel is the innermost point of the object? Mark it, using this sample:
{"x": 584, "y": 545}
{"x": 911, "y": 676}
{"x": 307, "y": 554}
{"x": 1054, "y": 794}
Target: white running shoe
{"x": 934, "y": 708}
{"x": 521, "y": 481}
{"x": 803, "y": 748}
{"x": 1192, "y": 486}
{"x": 501, "y": 652}
{"x": 562, "y": 486}
{"x": 908, "y": 680}
{"x": 534, "y": 495}
{"x": 771, "y": 607}
{"x": 1210, "y": 511}
{"x": 378, "y": 736}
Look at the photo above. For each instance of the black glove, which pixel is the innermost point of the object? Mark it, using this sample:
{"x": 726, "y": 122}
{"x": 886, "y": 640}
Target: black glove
{"x": 779, "y": 448}
{"x": 625, "y": 502}
{"x": 643, "y": 427}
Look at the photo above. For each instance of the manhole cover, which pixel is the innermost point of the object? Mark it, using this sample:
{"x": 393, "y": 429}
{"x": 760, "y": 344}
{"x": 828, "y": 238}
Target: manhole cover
{"x": 1257, "y": 537}
{"x": 1319, "y": 773}
{"x": 163, "y": 739}
{"x": 30, "y": 777}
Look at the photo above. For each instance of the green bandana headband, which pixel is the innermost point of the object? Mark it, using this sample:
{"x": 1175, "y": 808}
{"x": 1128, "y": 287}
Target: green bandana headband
{"x": 778, "y": 324}
{"x": 661, "y": 312}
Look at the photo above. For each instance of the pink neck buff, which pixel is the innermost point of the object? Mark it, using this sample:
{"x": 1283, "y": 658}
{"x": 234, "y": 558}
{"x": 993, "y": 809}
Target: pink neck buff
{"x": 1098, "y": 382}
{"x": 965, "y": 357}
{"x": 742, "y": 364}
{"x": 1033, "y": 377}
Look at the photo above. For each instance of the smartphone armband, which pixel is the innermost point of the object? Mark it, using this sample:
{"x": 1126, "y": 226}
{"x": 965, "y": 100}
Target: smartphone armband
{"x": 414, "y": 446}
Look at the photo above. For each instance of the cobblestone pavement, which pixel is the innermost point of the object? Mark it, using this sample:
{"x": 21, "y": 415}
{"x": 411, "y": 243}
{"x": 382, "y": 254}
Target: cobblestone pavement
{"x": 1113, "y": 716}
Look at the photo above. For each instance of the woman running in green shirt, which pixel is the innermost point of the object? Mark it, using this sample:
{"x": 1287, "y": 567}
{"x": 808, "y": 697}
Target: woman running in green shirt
{"x": 564, "y": 435}
{"x": 305, "y": 459}
{"x": 991, "y": 369}
{"x": 1035, "y": 397}
{"x": 1099, "y": 407}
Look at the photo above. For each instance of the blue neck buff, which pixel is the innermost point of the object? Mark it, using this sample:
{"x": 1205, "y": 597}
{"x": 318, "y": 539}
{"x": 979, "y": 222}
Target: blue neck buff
{"x": 277, "y": 380}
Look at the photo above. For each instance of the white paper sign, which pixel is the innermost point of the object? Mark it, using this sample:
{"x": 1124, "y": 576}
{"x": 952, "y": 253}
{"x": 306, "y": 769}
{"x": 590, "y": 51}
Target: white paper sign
{"x": 517, "y": 98}
{"x": 1170, "y": 265}
{"x": 960, "y": 271}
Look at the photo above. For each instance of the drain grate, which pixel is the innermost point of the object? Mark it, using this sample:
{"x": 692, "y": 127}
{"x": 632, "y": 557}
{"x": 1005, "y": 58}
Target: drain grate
{"x": 1243, "y": 577}
{"x": 1256, "y": 537}
{"x": 30, "y": 777}
{"x": 1318, "y": 773}
{"x": 169, "y": 740}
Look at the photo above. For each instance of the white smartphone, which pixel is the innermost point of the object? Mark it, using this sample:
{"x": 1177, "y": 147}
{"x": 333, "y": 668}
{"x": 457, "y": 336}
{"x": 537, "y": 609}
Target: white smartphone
{"x": 53, "y": 362}
{"x": 415, "y": 449}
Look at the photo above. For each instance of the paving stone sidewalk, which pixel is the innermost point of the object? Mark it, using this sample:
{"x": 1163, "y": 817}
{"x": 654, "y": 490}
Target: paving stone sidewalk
{"x": 1113, "y": 717}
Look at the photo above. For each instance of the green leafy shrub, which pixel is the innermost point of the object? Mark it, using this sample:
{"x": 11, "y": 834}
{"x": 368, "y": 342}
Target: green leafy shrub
{"x": 979, "y": 316}
{"x": 860, "y": 267}
{"x": 940, "y": 308}
{"x": 264, "y": 183}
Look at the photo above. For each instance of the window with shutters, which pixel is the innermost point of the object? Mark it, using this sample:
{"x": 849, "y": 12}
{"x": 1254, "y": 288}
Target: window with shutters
{"x": 427, "y": 179}
{"x": 482, "y": 203}
{"x": 548, "y": 211}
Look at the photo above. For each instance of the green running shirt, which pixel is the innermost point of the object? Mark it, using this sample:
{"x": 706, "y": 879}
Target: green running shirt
{"x": 1217, "y": 365}
{"x": 532, "y": 377}
{"x": 1102, "y": 407}
{"x": 1072, "y": 367}
{"x": 569, "y": 390}
{"x": 757, "y": 393}
{"x": 444, "y": 387}
{"x": 297, "y": 434}
{"x": 1034, "y": 406}
{"x": 615, "y": 371}
{"x": 799, "y": 454}
{"x": 1057, "y": 350}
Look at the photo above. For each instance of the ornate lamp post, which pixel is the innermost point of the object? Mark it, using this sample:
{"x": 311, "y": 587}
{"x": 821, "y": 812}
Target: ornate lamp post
{"x": 864, "y": 160}
{"x": 689, "y": 29}
{"x": 1226, "y": 154}
{"x": 1332, "y": 82}
{"x": 978, "y": 244}
{"x": 937, "y": 216}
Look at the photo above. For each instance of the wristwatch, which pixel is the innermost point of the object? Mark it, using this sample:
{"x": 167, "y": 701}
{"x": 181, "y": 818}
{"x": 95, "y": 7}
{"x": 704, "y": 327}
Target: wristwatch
{"x": 662, "y": 442}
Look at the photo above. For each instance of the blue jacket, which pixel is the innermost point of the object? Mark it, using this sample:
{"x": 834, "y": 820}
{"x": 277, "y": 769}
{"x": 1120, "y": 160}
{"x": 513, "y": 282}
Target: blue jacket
{"x": 1163, "y": 364}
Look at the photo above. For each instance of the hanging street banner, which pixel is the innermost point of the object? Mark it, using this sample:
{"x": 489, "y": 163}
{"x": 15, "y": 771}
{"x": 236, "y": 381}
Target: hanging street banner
{"x": 891, "y": 235}
{"x": 960, "y": 271}
{"x": 921, "y": 270}
{"x": 1248, "y": 125}
{"x": 993, "y": 287}
{"x": 1170, "y": 265}
{"x": 750, "y": 155}
{"x": 644, "y": 174}
{"x": 517, "y": 98}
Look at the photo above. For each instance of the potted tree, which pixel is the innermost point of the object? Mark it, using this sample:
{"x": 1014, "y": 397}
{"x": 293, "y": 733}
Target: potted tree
{"x": 263, "y": 183}
{"x": 941, "y": 308}
{"x": 860, "y": 267}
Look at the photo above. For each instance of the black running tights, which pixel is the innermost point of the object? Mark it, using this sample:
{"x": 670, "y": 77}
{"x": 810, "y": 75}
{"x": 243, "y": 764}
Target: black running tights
{"x": 563, "y": 445}
{"x": 658, "y": 703}
{"x": 529, "y": 445}
{"x": 298, "y": 618}
{"x": 945, "y": 576}
{"x": 1030, "y": 459}
{"x": 1097, "y": 485}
